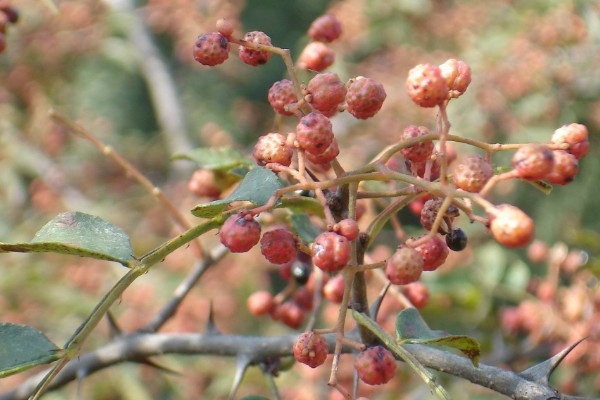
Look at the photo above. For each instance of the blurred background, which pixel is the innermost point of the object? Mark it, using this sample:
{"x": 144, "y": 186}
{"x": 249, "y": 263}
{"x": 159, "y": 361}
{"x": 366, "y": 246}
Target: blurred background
{"x": 124, "y": 70}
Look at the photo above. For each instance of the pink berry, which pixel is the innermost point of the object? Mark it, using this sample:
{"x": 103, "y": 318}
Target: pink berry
{"x": 316, "y": 56}
{"x": 565, "y": 168}
{"x": 239, "y": 233}
{"x": 417, "y": 293}
{"x": 426, "y": 86}
{"x": 225, "y": 27}
{"x": 326, "y": 28}
{"x": 511, "y": 227}
{"x": 326, "y": 91}
{"x": 472, "y": 174}
{"x": 364, "y": 97}
{"x": 348, "y": 228}
{"x": 211, "y": 49}
{"x": 260, "y": 303}
{"x": 375, "y": 365}
{"x": 533, "y": 161}
{"x": 576, "y": 136}
{"x": 418, "y": 152}
{"x": 290, "y": 313}
{"x": 311, "y": 349}
{"x": 278, "y": 246}
{"x": 255, "y": 57}
{"x": 330, "y": 252}
{"x": 271, "y": 148}
{"x": 203, "y": 184}
{"x": 458, "y": 76}
{"x": 334, "y": 289}
{"x": 434, "y": 251}
{"x": 314, "y": 133}
{"x": 325, "y": 157}
{"x": 404, "y": 267}
{"x": 280, "y": 95}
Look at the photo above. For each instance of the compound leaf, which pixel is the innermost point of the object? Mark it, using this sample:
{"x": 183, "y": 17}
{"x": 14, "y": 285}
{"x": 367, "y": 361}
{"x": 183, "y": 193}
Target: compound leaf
{"x": 78, "y": 234}
{"x": 22, "y": 347}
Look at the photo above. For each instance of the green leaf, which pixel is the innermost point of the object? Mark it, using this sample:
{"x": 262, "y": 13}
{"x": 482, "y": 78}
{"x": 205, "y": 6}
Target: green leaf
{"x": 257, "y": 187}
{"x": 304, "y": 227}
{"x": 78, "y": 234}
{"x": 22, "y": 347}
{"x": 410, "y": 328}
{"x": 542, "y": 186}
{"x": 214, "y": 158}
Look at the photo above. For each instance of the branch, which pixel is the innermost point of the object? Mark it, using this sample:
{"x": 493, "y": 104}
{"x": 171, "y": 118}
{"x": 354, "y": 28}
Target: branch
{"x": 136, "y": 347}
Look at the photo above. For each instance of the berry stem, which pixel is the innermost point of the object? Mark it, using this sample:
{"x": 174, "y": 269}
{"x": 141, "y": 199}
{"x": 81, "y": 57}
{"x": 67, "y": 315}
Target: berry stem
{"x": 443, "y": 128}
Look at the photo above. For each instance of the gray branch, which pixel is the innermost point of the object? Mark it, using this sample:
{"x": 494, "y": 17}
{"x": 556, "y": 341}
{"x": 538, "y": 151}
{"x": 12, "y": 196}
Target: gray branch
{"x": 137, "y": 347}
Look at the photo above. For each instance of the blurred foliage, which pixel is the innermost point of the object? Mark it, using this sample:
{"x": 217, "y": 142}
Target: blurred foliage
{"x": 535, "y": 66}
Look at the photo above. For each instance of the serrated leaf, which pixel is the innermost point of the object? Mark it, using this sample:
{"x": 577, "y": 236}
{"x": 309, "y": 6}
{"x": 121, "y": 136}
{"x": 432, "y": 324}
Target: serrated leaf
{"x": 22, "y": 347}
{"x": 304, "y": 227}
{"x": 214, "y": 158}
{"x": 257, "y": 187}
{"x": 410, "y": 328}
{"x": 78, "y": 234}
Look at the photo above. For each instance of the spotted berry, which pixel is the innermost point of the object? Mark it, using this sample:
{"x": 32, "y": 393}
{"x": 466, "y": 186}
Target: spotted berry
{"x": 316, "y": 56}
{"x": 576, "y": 136}
{"x": 434, "y": 250}
{"x": 330, "y": 252}
{"x": 278, "y": 246}
{"x": 314, "y": 133}
{"x": 311, "y": 349}
{"x": 472, "y": 174}
{"x": 255, "y": 57}
{"x": 271, "y": 148}
{"x": 375, "y": 365}
{"x": 510, "y": 226}
{"x": 533, "y": 161}
{"x": 426, "y": 86}
{"x": 211, "y": 49}
{"x": 325, "y": 157}
{"x": 325, "y": 92}
{"x": 404, "y": 266}
{"x": 565, "y": 168}
{"x": 364, "y": 97}
{"x": 239, "y": 233}
{"x": 326, "y": 28}
{"x": 430, "y": 212}
{"x": 458, "y": 76}
{"x": 418, "y": 152}
{"x": 281, "y": 94}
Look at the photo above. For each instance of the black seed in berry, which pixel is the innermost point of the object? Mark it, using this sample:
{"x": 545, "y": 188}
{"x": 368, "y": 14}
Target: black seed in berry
{"x": 301, "y": 272}
{"x": 457, "y": 240}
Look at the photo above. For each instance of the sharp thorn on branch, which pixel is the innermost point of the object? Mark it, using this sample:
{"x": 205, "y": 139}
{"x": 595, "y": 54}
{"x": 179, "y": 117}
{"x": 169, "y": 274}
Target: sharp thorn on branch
{"x": 114, "y": 329}
{"x": 540, "y": 373}
{"x": 377, "y": 303}
{"x": 211, "y": 328}
{"x": 242, "y": 362}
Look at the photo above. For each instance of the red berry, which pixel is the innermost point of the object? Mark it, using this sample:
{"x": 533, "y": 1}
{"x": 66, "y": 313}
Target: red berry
{"x": 405, "y": 266}
{"x": 434, "y": 251}
{"x": 416, "y": 206}
{"x": 364, "y": 97}
{"x": 420, "y": 169}
{"x": 375, "y": 365}
{"x": 565, "y": 168}
{"x": 430, "y": 211}
{"x": 426, "y": 86}
{"x": 12, "y": 14}
{"x": 280, "y": 95}
{"x": 311, "y": 349}
{"x": 314, "y": 133}
{"x": 348, "y": 228}
{"x": 225, "y": 27}
{"x": 271, "y": 148}
{"x": 576, "y": 135}
{"x": 325, "y": 157}
{"x": 330, "y": 252}
{"x": 326, "y": 91}
{"x": 203, "y": 184}
{"x": 290, "y": 313}
{"x": 510, "y": 226}
{"x": 316, "y": 56}
{"x": 239, "y": 233}
{"x": 334, "y": 289}
{"x": 326, "y": 28}
{"x": 260, "y": 303}
{"x": 255, "y": 57}
{"x": 211, "y": 49}
{"x": 472, "y": 174}
{"x": 533, "y": 161}
{"x": 418, "y": 152}
{"x": 457, "y": 75}
{"x": 278, "y": 246}
{"x": 304, "y": 297}
{"x": 417, "y": 293}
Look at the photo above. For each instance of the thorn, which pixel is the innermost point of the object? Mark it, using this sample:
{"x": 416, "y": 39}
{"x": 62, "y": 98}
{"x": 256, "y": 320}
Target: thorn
{"x": 113, "y": 327}
{"x": 154, "y": 364}
{"x": 540, "y": 373}
{"x": 211, "y": 328}
{"x": 242, "y": 362}
{"x": 377, "y": 303}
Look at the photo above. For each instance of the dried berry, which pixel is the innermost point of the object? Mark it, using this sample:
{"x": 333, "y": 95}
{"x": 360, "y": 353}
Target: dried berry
{"x": 211, "y": 49}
